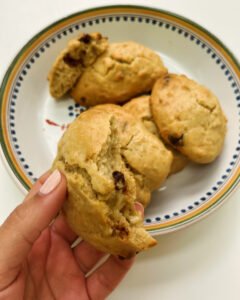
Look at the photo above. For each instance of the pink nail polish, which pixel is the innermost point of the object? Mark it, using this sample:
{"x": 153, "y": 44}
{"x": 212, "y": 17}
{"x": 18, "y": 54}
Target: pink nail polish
{"x": 50, "y": 184}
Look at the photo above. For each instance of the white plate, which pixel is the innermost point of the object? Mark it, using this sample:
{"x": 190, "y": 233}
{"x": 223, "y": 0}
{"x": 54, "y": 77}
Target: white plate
{"x": 32, "y": 122}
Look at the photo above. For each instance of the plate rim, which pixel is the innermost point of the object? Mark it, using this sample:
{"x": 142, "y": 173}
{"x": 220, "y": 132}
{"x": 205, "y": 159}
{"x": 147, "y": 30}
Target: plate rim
{"x": 9, "y": 165}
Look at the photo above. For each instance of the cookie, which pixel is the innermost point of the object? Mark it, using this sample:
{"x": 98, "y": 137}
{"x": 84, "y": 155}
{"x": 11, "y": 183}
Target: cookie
{"x": 71, "y": 62}
{"x": 140, "y": 108}
{"x": 100, "y": 154}
{"x": 147, "y": 157}
{"x": 189, "y": 117}
{"x": 124, "y": 71}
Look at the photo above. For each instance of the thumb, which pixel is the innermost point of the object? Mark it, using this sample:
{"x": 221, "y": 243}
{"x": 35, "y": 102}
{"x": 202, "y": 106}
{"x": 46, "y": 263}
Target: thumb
{"x": 25, "y": 223}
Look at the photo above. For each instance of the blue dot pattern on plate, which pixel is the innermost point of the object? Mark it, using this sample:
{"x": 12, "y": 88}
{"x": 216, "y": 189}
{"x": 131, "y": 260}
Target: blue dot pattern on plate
{"x": 74, "y": 110}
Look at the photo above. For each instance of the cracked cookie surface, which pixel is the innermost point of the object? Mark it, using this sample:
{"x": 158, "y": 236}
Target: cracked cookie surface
{"x": 125, "y": 70}
{"x": 189, "y": 117}
{"x": 140, "y": 108}
{"x": 103, "y": 155}
{"x": 80, "y": 53}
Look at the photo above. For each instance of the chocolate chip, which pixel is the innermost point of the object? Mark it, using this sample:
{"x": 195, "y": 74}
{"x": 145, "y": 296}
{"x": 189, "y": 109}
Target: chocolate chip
{"x": 86, "y": 39}
{"x": 176, "y": 140}
{"x": 71, "y": 61}
{"x": 121, "y": 257}
{"x": 119, "y": 181}
{"x": 83, "y": 99}
{"x": 120, "y": 230}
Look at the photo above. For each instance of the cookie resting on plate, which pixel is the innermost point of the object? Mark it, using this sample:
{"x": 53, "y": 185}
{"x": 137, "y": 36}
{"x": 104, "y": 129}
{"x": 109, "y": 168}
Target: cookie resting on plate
{"x": 125, "y": 70}
{"x": 80, "y": 53}
{"x": 140, "y": 108}
{"x": 189, "y": 117}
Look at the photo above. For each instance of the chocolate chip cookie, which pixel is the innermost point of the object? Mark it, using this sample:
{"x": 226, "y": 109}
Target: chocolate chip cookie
{"x": 71, "y": 62}
{"x": 104, "y": 155}
{"x": 189, "y": 117}
{"x": 125, "y": 70}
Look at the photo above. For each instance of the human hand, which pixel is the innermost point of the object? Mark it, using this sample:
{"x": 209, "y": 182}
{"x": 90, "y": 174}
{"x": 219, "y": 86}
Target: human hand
{"x": 36, "y": 258}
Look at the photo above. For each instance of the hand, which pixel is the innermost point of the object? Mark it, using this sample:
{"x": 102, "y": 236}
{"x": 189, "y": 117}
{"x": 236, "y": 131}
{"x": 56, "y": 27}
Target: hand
{"x": 36, "y": 259}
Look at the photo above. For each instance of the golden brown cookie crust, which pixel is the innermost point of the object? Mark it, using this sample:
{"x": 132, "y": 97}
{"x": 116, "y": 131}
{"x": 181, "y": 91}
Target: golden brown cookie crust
{"x": 125, "y": 70}
{"x": 103, "y": 154}
{"x": 80, "y": 53}
{"x": 189, "y": 117}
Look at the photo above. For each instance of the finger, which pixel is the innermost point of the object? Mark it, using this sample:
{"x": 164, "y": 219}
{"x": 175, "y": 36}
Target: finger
{"x": 35, "y": 188}
{"x": 105, "y": 279}
{"x": 37, "y": 257}
{"x": 139, "y": 207}
{"x": 15, "y": 289}
{"x": 61, "y": 228}
{"x": 24, "y": 225}
{"x": 63, "y": 274}
{"x": 87, "y": 256}
{"x": 37, "y": 260}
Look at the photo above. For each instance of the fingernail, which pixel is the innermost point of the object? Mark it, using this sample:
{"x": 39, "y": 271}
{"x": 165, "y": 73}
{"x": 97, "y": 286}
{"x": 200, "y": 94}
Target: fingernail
{"x": 139, "y": 207}
{"x": 50, "y": 184}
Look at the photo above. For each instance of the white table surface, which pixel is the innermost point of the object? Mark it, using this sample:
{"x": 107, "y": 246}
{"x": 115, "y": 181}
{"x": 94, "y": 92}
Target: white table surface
{"x": 199, "y": 262}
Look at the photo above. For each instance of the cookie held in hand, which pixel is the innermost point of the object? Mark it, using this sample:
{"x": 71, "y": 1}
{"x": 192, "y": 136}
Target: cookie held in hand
{"x": 96, "y": 154}
{"x": 147, "y": 157}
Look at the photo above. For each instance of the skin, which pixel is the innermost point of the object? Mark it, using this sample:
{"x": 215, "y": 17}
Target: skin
{"x": 37, "y": 262}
